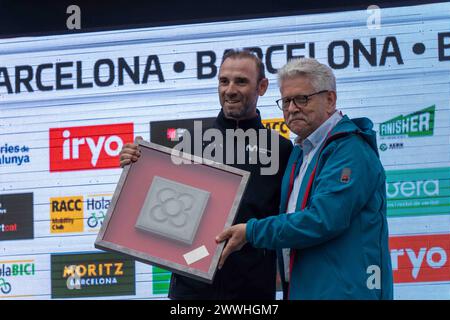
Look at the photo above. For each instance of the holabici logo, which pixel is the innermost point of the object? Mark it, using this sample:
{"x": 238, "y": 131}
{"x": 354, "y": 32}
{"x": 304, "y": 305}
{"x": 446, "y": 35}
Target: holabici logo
{"x": 96, "y": 208}
{"x": 16, "y": 268}
{"x": 416, "y": 124}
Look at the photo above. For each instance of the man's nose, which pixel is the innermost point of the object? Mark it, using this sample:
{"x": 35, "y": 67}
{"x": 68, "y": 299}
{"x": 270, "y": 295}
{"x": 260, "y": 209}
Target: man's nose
{"x": 231, "y": 89}
{"x": 292, "y": 108}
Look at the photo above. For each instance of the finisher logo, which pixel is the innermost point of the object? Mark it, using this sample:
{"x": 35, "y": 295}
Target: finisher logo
{"x": 90, "y": 147}
{"x": 16, "y": 216}
{"x": 417, "y": 124}
{"x": 92, "y": 275}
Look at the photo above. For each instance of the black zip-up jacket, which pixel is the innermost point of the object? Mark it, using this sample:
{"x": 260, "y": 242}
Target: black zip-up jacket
{"x": 249, "y": 273}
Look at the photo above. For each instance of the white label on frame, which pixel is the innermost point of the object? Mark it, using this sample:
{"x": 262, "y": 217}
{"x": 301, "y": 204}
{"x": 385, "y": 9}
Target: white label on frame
{"x": 196, "y": 255}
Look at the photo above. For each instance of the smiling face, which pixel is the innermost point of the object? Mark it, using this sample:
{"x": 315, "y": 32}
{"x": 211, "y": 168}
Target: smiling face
{"x": 304, "y": 120}
{"x": 239, "y": 88}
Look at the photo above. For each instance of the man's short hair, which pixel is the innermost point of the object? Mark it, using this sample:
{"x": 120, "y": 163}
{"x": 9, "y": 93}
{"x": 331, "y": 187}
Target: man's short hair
{"x": 320, "y": 75}
{"x": 246, "y": 54}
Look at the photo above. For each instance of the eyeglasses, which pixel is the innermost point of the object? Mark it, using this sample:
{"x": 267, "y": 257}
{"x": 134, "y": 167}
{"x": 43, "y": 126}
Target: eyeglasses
{"x": 299, "y": 101}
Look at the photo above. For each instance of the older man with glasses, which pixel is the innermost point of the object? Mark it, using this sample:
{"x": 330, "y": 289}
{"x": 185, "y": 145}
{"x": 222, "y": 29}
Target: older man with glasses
{"x": 332, "y": 232}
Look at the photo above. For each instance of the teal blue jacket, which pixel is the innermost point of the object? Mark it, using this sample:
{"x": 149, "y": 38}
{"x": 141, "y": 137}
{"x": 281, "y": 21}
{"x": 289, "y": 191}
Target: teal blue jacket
{"x": 338, "y": 234}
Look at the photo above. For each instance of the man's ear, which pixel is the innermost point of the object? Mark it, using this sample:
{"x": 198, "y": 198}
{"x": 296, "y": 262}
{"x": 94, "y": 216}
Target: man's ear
{"x": 262, "y": 86}
{"x": 331, "y": 102}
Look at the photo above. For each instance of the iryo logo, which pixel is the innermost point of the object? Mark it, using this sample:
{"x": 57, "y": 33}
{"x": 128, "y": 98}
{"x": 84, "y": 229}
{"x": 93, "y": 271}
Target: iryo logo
{"x": 421, "y": 258}
{"x": 89, "y": 147}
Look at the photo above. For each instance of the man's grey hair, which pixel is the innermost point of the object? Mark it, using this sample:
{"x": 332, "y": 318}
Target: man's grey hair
{"x": 320, "y": 75}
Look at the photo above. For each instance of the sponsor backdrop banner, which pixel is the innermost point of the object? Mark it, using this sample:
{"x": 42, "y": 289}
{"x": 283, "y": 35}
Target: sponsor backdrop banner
{"x": 70, "y": 102}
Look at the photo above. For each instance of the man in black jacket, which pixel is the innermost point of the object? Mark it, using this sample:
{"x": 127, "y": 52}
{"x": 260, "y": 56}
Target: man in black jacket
{"x": 249, "y": 273}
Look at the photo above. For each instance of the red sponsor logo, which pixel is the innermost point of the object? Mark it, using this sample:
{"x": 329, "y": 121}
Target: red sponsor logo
{"x": 423, "y": 258}
{"x": 174, "y": 134}
{"x": 88, "y": 147}
{"x": 171, "y": 133}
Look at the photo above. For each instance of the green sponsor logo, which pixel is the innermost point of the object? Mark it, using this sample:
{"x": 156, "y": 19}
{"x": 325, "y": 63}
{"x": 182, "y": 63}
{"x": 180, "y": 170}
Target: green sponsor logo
{"x": 12, "y": 269}
{"x": 17, "y": 269}
{"x": 161, "y": 280}
{"x": 92, "y": 275}
{"x": 418, "y": 192}
{"x": 417, "y": 124}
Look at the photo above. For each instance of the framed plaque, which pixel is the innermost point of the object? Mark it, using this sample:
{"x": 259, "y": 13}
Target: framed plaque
{"x": 168, "y": 214}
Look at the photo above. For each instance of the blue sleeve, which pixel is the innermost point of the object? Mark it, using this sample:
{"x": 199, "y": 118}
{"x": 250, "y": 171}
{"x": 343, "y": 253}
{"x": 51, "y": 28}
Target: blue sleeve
{"x": 332, "y": 204}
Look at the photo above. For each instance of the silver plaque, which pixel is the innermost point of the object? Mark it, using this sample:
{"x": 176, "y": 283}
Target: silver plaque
{"x": 172, "y": 210}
